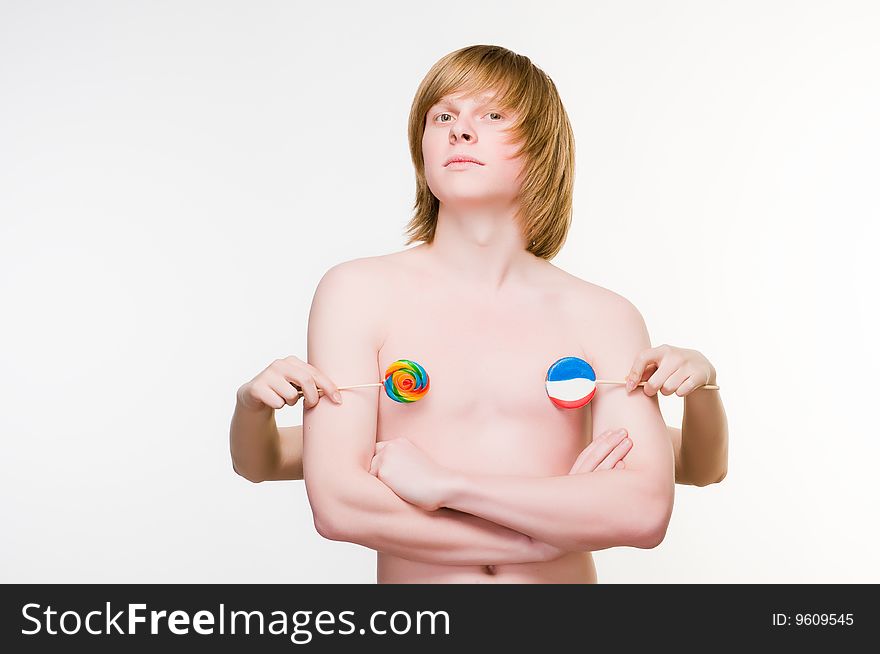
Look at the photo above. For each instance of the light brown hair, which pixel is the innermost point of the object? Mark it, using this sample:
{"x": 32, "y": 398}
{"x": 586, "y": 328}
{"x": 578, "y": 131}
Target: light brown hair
{"x": 541, "y": 129}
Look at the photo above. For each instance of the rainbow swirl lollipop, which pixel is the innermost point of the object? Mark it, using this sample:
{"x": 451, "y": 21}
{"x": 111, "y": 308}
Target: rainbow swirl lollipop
{"x": 406, "y": 381}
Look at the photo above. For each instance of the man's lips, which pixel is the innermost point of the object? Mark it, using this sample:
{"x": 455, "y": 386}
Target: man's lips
{"x": 459, "y": 160}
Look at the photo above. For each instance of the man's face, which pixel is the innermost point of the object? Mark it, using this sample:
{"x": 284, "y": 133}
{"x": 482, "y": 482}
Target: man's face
{"x": 474, "y": 127}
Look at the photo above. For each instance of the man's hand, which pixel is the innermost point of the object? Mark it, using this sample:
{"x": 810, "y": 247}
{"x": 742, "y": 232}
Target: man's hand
{"x": 411, "y": 473}
{"x": 605, "y": 452}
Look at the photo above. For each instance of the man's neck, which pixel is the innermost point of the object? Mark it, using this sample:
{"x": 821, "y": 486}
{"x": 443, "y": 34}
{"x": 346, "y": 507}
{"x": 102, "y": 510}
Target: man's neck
{"x": 483, "y": 247}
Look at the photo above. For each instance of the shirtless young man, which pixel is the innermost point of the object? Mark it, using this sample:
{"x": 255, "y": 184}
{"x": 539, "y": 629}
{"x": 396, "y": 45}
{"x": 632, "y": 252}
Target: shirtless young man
{"x": 476, "y": 473}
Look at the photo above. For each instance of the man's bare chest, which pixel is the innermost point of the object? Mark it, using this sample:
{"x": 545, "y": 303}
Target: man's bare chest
{"x": 487, "y": 364}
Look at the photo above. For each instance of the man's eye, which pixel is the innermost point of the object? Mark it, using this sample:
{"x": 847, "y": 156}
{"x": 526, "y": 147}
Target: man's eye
{"x": 491, "y": 113}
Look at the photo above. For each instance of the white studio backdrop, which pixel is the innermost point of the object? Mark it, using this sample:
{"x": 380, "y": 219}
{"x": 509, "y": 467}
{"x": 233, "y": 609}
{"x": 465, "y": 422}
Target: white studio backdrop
{"x": 175, "y": 178}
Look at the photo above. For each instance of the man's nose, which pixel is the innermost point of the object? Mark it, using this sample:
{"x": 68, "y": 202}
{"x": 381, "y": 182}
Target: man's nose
{"x": 463, "y": 132}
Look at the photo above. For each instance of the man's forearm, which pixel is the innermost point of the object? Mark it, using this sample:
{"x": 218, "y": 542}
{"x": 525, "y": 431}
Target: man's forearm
{"x": 373, "y": 516}
{"x": 586, "y": 511}
{"x": 704, "y": 437}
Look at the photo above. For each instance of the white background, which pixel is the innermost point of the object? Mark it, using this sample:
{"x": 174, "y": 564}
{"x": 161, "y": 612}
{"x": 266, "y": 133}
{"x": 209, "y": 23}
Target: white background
{"x": 175, "y": 178}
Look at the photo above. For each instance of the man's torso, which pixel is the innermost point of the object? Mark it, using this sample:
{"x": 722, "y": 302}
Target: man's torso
{"x": 487, "y": 409}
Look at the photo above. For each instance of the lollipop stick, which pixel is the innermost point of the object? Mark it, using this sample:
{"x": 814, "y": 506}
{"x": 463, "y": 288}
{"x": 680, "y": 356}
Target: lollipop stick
{"x": 341, "y": 388}
{"x": 708, "y": 387}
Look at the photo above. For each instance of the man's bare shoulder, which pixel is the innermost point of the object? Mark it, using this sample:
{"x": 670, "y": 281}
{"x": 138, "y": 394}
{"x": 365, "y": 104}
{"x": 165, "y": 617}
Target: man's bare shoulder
{"x": 360, "y": 290}
{"x": 378, "y": 271}
{"x": 362, "y": 268}
{"x": 610, "y": 328}
{"x": 594, "y": 302}
{"x": 357, "y": 275}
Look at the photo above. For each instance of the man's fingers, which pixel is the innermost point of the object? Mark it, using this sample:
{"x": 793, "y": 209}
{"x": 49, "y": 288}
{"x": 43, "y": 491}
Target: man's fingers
{"x": 587, "y": 453}
{"x": 596, "y": 451}
{"x": 616, "y": 455}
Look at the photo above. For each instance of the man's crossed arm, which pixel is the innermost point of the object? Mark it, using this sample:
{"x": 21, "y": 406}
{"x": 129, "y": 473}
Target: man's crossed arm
{"x": 604, "y": 508}
{"x": 576, "y": 512}
{"x": 348, "y": 503}
{"x": 495, "y": 518}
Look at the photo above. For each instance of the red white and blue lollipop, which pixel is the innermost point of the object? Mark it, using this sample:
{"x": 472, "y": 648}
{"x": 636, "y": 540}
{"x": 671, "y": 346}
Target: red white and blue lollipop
{"x": 571, "y": 383}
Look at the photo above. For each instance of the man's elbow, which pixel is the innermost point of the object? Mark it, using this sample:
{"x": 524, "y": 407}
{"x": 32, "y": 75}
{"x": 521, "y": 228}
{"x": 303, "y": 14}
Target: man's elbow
{"x": 324, "y": 515}
{"x": 332, "y": 520}
{"x": 326, "y": 528}
{"x": 651, "y": 536}
{"x": 652, "y": 525}
{"x": 339, "y": 510}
